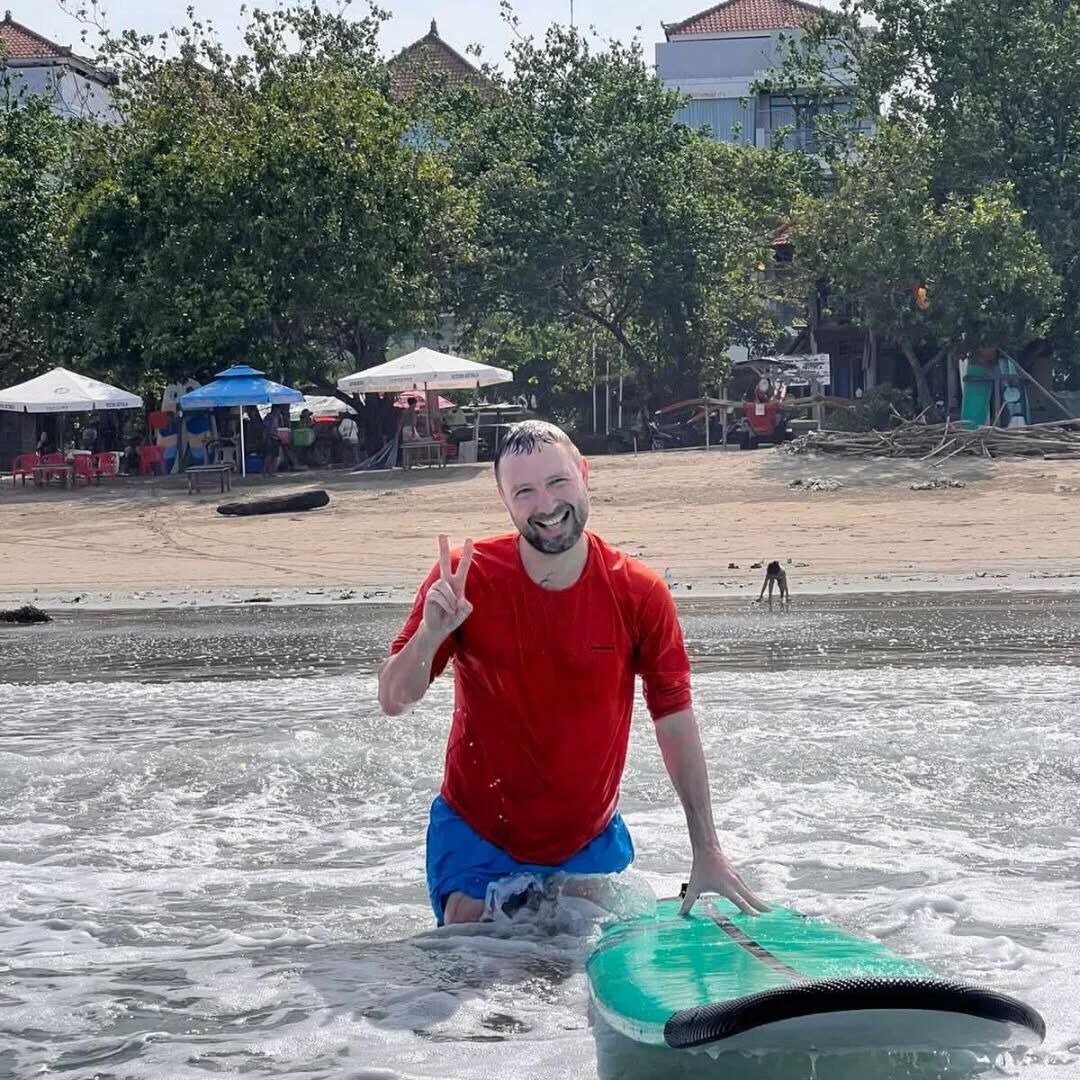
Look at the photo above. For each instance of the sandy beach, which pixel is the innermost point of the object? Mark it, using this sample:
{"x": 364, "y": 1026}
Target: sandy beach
{"x": 708, "y": 517}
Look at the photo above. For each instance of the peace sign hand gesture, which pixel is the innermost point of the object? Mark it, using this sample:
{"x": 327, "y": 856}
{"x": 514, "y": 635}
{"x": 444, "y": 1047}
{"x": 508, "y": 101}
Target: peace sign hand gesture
{"x": 446, "y": 607}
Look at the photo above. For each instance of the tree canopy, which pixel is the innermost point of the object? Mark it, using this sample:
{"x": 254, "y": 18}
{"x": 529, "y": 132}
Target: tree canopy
{"x": 35, "y": 153}
{"x": 995, "y": 81}
{"x": 593, "y": 205}
{"x": 932, "y": 275}
{"x": 266, "y": 207}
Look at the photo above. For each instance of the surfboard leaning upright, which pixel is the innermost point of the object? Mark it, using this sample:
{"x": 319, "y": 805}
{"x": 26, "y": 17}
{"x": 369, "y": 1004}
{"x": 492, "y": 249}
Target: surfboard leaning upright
{"x": 779, "y": 981}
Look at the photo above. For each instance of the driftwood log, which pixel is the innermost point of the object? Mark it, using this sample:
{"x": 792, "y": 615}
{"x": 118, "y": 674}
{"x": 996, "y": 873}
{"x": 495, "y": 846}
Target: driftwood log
{"x": 1058, "y": 441}
{"x": 278, "y": 504}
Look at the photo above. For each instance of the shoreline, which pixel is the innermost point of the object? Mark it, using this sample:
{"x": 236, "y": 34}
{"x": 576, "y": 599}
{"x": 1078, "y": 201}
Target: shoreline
{"x": 703, "y": 520}
{"x": 870, "y": 590}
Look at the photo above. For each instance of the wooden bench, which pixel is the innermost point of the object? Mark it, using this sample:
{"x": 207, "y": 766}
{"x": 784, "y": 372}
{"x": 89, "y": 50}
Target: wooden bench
{"x": 196, "y": 473}
{"x": 423, "y": 452}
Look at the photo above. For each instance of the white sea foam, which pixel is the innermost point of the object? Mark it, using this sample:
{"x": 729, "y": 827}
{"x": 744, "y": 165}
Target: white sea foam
{"x": 227, "y": 875}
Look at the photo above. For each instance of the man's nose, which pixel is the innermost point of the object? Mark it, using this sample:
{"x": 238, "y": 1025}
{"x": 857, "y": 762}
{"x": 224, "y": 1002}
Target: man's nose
{"x": 545, "y": 502}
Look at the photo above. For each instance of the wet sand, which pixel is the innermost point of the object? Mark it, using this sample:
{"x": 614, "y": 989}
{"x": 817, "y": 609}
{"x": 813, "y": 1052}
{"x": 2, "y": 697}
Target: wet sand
{"x": 707, "y": 518}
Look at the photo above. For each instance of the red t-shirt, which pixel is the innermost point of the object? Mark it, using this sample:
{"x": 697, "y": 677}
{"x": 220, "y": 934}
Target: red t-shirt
{"x": 543, "y": 692}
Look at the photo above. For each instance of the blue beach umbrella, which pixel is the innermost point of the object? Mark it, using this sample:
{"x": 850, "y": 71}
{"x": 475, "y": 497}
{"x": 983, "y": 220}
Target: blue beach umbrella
{"x": 233, "y": 389}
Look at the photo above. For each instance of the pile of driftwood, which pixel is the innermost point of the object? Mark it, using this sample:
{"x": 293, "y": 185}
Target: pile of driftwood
{"x": 1058, "y": 441}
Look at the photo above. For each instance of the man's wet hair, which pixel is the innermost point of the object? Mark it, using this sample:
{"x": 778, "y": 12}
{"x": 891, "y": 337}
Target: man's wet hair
{"x": 774, "y": 569}
{"x": 528, "y": 436}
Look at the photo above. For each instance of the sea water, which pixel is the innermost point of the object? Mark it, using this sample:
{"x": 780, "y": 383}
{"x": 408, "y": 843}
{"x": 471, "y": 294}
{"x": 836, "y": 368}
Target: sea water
{"x": 211, "y": 841}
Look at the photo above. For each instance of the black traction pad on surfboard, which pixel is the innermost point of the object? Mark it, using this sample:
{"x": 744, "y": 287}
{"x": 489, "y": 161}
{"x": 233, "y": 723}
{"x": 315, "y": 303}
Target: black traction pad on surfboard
{"x": 710, "y": 1023}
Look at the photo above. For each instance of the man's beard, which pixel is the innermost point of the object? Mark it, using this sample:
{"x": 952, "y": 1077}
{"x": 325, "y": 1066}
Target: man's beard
{"x": 562, "y": 539}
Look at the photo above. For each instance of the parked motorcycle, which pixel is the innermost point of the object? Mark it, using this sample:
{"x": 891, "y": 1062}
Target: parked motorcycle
{"x": 656, "y": 437}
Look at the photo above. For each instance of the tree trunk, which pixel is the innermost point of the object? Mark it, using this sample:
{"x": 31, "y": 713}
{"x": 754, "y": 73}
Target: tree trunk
{"x": 376, "y": 413}
{"x": 925, "y": 398}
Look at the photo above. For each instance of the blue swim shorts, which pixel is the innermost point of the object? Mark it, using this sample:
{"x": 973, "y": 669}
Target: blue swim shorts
{"x": 460, "y": 860}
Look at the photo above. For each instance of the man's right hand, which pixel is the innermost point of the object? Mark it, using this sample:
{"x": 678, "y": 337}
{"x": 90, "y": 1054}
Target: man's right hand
{"x": 446, "y": 606}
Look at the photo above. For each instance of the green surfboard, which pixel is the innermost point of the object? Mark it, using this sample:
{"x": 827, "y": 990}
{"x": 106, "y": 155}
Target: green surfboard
{"x": 779, "y": 981}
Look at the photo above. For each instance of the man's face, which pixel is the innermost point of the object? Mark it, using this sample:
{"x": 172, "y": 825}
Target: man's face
{"x": 546, "y": 495}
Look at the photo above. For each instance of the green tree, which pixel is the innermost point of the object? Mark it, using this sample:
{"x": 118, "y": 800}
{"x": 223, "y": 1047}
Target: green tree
{"x": 35, "y": 159}
{"x": 267, "y": 207}
{"x": 882, "y": 235}
{"x": 996, "y": 80}
{"x": 594, "y": 207}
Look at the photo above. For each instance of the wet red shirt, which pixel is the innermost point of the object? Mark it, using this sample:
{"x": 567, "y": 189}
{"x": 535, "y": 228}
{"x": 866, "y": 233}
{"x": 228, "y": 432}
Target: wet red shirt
{"x": 543, "y": 692}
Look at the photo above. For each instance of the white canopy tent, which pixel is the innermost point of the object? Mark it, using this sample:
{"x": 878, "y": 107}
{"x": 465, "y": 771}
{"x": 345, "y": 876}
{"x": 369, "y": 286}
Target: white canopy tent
{"x": 320, "y": 406}
{"x": 63, "y": 391}
{"x": 424, "y": 369}
{"x": 427, "y": 370}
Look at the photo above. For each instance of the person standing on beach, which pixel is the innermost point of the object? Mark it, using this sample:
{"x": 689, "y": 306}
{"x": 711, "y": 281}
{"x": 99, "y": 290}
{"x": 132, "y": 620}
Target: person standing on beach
{"x": 548, "y": 626}
{"x": 271, "y": 443}
{"x": 349, "y": 434}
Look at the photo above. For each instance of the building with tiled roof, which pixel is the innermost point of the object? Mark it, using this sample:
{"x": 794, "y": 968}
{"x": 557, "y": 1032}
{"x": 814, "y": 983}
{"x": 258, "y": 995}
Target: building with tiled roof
{"x": 745, "y": 16}
{"x": 19, "y": 42}
{"x": 718, "y": 56}
{"x": 37, "y": 65}
{"x": 430, "y": 56}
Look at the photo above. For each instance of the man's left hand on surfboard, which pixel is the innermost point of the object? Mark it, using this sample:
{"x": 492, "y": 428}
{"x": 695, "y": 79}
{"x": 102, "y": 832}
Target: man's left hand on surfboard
{"x": 712, "y": 873}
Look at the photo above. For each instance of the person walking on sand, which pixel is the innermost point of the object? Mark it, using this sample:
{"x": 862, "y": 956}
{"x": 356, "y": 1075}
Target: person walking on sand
{"x": 548, "y": 626}
{"x": 271, "y": 444}
{"x": 349, "y": 433}
{"x": 775, "y": 576}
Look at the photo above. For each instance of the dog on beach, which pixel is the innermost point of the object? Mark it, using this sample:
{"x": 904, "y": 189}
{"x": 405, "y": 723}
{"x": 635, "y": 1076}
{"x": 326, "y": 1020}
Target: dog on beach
{"x": 775, "y": 575}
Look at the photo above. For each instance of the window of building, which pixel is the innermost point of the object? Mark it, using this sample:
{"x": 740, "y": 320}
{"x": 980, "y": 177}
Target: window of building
{"x": 799, "y": 116}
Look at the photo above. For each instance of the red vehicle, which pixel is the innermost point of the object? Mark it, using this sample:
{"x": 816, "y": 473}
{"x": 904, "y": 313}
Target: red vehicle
{"x": 763, "y": 422}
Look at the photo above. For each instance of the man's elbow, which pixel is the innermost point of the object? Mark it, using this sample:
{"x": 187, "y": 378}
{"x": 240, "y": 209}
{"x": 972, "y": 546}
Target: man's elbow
{"x": 390, "y": 708}
{"x": 676, "y": 722}
{"x": 387, "y": 702}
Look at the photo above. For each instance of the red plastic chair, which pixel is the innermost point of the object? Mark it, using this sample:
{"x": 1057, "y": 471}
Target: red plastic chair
{"x": 151, "y": 458}
{"x": 23, "y": 466}
{"x": 83, "y": 468}
{"x": 104, "y": 465}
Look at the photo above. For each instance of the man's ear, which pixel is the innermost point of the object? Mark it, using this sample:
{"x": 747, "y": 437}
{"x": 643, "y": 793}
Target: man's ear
{"x": 585, "y": 470}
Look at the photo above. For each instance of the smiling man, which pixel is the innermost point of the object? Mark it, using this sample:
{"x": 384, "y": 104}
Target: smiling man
{"x": 548, "y": 627}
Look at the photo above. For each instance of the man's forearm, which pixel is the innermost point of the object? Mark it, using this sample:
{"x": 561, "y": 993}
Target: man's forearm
{"x": 680, "y": 746}
{"x": 404, "y": 677}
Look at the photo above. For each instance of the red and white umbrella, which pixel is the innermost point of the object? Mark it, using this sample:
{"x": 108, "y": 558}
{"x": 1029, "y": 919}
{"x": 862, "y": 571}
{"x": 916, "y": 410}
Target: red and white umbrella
{"x": 417, "y": 398}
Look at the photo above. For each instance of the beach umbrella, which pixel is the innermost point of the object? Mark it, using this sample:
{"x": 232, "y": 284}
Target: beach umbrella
{"x": 426, "y": 370}
{"x": 403, "y": 401}
{"x": 319, "y": 405}
{"x": 64, "y": 391}
{"x": 61, "y": 391}
{"x": 235, "y": 388}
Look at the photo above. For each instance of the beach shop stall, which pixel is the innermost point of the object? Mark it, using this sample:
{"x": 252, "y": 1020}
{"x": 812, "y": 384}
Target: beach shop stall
{"x": 62, "y": 391}
{"x": 236, "y": 388}
{"x": 184, "y": 440}
{"x": 426, "y": 371}
{"x": 317, "y": 445}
